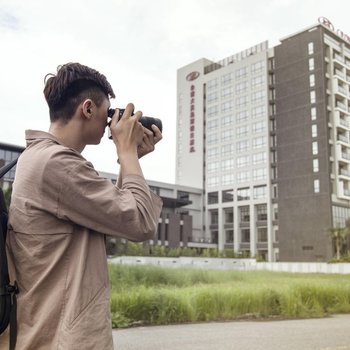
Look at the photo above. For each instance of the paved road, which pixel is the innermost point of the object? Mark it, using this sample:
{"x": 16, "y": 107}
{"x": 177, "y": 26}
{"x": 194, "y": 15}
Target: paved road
{"x": 331, "y": 333}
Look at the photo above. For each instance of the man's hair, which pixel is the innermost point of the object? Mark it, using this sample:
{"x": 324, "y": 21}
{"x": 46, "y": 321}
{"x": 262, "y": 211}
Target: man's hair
{"x": 72, "y": 84}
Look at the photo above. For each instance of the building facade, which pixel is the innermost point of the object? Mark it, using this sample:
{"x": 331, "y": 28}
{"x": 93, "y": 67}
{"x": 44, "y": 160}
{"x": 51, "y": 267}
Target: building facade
{"x": 181, "y": 220}
{"x": 265, "y": 134}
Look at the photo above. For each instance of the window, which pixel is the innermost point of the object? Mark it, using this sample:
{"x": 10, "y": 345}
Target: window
{"x": 226, "y": 79}
{"x": 227, "y": 196}
{"x": 213, "y": 167}
{"x": 213, "y": 181}
{"x": 227, "y": 120}
{"x": 242, "y": 116}
{"x": 311, "y": 64}
{"x": 245, "y": 235}
{"x": 313, "y": 113}
{"x": 241, "y": 73}
{"x": 257, "y": 81}
{"x": 310, "y": 48}
{"x": 212, "y": 97}
{"x": 241, "y": 87}
{"x": 312, "y": 96}
{"x": 257, "y": 67}
{"x": 243, "y": 176}
{"x": 227, "y": 179}
{"x": 312, "y": 80}
{"x": 242, "y": 131}
{"x": 227, "y": 135}
{"x": 243, "y": 194}
{"x": 214, "y": 217}
{"x": 228, "y": 216}
{"x": 242, "y": 101}
{"x": 259, "y": 127}
{"x": 213, "y": 124}
{"x": 259, "y": 142}
{"x": 227, "y": 92}
{"x": 317, "y": 186}
{"x": 258, "y": 112}
{"x": 212, "y": 84}
{"x": 259, "y": 174}
{"x": 316, "y": 166}
{"x": 243, "y": 161}
{"x": 262, "y": 234}
{"x": 227, "y": 164}
{"x": 314, "y": 148}
{"x": 261, "y": 212}
{"x": 229, "y": 236}
{"x": 213, "y": 197}
{"x": 259, "y": 158}
{"x": 212, "y": 153}
{"x": 259, "y": 192}
{"x": 244, "y": 214}
{"x": 226, "y": 106}
{"x": 212, "y": 111}
{"x": 227, "y": 149}
{"x": 314, "y": 130}
{"x": 242, "y": 146}
{"x": 258, "y": 96}
{"x": 212, "y": 138}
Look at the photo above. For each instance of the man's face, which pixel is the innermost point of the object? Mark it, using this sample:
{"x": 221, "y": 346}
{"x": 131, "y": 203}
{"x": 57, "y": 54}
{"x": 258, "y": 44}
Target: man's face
{"x": 99, "y": 122}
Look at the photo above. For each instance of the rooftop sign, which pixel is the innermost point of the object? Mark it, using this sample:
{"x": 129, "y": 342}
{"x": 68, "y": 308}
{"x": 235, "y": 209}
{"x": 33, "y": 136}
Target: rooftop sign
{"x": 326, "y": 22}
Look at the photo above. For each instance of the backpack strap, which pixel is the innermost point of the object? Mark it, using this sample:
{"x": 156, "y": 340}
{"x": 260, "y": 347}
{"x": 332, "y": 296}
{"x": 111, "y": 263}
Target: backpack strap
{"x": 8, "y": 291}
{"x": 7, "y": 168}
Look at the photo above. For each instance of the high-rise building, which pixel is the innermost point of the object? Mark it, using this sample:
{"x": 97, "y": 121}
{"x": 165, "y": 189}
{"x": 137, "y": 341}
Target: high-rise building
{"x": 265, "y": 133}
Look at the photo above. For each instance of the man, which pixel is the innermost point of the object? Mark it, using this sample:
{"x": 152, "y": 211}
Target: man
{"x": 61, "y": 209}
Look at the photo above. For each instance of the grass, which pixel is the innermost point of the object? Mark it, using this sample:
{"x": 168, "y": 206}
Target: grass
{"x": 150, "y": 295}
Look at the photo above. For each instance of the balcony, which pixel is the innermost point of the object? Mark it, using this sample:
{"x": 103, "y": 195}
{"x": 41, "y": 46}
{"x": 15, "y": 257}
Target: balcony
{"x": 341, "y": 90}
{"x": 342, "y": 138}
{"x": 346, "y": 155}
{"x": 344, "y": 123}
{"x": 339, "y": 58}
{"x": 341, "y": 106}
{"x": 344, "y": 172}
{"x": 339, "y": 74}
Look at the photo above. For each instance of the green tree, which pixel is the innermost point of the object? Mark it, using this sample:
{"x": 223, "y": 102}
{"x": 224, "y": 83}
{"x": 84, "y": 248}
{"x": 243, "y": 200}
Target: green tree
{"x": 7, "y": 195}
{"x": 338, "y": 235}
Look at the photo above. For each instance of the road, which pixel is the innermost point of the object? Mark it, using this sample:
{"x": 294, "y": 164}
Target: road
{"x": 331, "y": 333}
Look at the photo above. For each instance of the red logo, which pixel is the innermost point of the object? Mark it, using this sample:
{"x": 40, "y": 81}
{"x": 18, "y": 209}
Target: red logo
{"x": 326, "y": 22}
{"x": 192, "y": 76}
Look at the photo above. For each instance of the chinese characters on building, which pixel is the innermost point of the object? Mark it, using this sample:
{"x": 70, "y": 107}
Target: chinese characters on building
{"x": 192, "y": 118}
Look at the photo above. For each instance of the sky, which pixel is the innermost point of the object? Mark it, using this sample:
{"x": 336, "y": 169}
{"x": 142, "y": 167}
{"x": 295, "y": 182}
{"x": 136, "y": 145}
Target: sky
{"x": 138, "y": 45}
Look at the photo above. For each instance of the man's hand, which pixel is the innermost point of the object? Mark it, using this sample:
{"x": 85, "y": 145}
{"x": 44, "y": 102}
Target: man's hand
{"x": 149, "y": 140}
{"x": 128, "y": 132}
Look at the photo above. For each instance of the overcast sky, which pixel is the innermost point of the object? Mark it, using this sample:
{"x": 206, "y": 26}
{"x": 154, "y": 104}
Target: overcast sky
{"x": 138, "y": 45}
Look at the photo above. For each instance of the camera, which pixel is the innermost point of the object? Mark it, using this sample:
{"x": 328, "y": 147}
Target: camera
{"x": 145, "y": 121}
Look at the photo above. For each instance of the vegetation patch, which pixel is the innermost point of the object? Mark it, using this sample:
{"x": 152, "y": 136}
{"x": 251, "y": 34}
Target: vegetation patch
{"x": 151, "y": 295}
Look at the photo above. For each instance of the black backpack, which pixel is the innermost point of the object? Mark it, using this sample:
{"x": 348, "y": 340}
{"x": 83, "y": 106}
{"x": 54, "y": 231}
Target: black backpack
{"x": 8, "y": 299}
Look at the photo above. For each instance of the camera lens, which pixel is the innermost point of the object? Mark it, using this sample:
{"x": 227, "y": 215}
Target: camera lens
{"x": 146, "y": 122}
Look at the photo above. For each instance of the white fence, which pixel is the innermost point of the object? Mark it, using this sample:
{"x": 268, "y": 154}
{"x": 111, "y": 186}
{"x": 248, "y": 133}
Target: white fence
{"x": 233, "y": 264}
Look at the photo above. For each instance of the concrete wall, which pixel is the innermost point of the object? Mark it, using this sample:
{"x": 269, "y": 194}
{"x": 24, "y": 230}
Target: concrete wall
{"x": 233, "y": 264}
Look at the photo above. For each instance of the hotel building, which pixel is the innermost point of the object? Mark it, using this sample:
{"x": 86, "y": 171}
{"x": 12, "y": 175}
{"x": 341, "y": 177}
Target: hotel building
{"x": 265, "y": 134}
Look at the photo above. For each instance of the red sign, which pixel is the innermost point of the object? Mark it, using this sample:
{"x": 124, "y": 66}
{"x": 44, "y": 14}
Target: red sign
{"x": 192, "y": 76}
{"x": 326, "y": 22}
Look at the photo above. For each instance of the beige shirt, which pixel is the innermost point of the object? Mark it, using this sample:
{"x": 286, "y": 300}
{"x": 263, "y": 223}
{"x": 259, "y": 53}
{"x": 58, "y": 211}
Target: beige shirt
{"x": 60, "y": 210}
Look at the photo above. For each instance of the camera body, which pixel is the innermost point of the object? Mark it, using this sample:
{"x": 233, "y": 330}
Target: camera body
{"x": 146, "y": 122}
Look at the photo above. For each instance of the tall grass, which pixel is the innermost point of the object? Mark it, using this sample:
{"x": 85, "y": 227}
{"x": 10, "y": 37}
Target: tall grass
{"x": 157, "y": 295}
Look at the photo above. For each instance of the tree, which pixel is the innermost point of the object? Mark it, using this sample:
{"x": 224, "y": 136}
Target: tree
{"x": 338, "y": 235}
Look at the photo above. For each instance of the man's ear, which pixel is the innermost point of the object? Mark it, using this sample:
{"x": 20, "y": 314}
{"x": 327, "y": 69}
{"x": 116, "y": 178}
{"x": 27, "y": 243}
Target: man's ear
{"x": 87, "y": 108}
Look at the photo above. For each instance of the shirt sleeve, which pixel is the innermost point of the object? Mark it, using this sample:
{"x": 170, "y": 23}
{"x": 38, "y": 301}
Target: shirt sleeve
{"x": 89, "y": 200}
